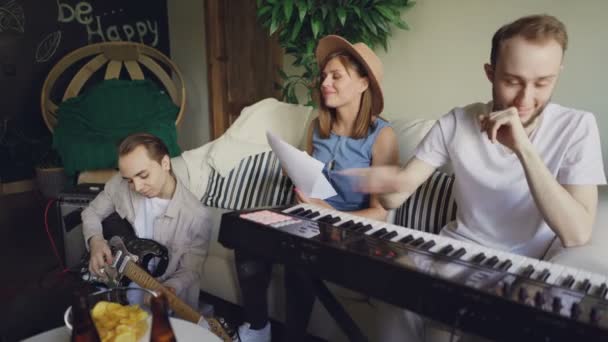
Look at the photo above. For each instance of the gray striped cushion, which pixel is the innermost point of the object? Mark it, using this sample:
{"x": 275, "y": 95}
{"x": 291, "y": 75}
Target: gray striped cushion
{"x": 256, "y": 182}
{"x": 431, "y": 207}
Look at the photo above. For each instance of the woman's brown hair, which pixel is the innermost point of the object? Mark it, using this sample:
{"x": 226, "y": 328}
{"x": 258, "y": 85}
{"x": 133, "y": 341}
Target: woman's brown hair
{"x": 327, "y": 116}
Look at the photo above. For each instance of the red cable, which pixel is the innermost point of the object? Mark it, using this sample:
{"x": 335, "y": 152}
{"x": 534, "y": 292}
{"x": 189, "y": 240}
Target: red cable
{"x": 48, "y": 233}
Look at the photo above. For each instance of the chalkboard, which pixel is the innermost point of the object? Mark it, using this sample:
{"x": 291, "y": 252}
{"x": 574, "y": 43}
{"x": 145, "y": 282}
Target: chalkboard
{"x": 34, "y": 35}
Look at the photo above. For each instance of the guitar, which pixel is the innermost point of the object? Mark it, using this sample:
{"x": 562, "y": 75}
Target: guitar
{"x": 125, "y": 264}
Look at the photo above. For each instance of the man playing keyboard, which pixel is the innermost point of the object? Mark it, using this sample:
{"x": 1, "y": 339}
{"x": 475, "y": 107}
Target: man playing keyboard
{"x": 526, "y": 169}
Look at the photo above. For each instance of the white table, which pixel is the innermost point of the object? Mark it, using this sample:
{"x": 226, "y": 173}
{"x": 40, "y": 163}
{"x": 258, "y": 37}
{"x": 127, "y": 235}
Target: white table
{"x": 184, "y": 332}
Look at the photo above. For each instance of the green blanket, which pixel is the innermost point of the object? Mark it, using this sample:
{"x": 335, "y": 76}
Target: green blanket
{"x": 91, "y": 125}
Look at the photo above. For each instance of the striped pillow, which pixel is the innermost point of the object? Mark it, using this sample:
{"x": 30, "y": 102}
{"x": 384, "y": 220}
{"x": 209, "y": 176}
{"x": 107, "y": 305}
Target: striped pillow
{"x": 431, "y": 207}
{"x": 257, "y": 181}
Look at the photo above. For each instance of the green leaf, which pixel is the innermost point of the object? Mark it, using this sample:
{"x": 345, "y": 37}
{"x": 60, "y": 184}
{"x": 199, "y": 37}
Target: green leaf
{"x": 272, "y": 1}
{"x": 324, "y": 11}
{"x": 310, "y": 47}
{"x": 341, "y": 15}
{"x": 357, "y": 11}
{"x": 386, "y": 12}
{"x": 296, "y": 30}
{"x": 402, "y": 24}
{"x": 379, "y": 21}
{"x": 282, "y": 73}
{"x": 302, "y": 9}
{"x": 315, "y": 25}
{"x": 368, "y": 22}
{"x": 385, "y": 43}
{"x": 259, "y": 3}
{"x": 264, "y": 10}
{"x": 287, "y": 9}
{"x": 274, "y": 23}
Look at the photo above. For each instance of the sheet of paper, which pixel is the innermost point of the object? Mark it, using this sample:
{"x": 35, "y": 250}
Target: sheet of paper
{"x": 305, "y": 171}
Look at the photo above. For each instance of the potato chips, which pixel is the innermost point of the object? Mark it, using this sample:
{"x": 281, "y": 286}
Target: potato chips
{"x": 119, "y": 323}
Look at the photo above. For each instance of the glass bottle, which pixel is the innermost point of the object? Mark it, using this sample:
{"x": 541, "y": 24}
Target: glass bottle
{"x": 161, "y": 327}
{"x": 83, "y": 328}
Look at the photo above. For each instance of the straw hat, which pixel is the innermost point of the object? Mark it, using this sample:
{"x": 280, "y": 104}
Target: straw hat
{"x": 368, "y": 59}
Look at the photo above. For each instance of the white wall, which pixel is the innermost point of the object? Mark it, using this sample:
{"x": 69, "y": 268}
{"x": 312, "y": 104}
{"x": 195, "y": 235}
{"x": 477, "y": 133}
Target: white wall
{"x": 187, "y": 39}
{"x": 437, "y": 65}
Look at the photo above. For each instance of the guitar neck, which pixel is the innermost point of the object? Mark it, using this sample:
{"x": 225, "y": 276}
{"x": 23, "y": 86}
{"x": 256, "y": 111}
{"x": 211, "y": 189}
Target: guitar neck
{"x": 183, "y": 310}
{"x": 143, "y": 279}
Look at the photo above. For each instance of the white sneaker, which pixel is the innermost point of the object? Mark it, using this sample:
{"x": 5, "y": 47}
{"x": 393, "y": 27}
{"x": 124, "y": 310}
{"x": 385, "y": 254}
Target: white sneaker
{"x": 246, "y": 334}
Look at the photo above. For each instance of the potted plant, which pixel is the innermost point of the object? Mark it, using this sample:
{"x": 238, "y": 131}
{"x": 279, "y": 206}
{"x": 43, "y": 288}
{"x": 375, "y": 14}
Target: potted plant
{"x": 50, "y": 176}
{"x": 301, "y": 23}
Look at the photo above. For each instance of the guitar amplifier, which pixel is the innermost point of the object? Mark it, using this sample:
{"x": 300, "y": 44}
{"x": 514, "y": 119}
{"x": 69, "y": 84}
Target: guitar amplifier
{"x": 71, "y": 204}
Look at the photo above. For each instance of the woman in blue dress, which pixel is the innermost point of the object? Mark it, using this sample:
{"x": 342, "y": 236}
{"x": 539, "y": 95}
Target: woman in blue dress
{"x": 348, "y": 133}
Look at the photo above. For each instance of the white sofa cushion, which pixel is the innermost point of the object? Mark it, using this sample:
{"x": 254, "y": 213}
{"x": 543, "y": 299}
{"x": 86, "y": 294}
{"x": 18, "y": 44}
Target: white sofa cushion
{"x": 431, "y": 207}
{"x": 247, "y": 135}
{"x": 256, "y": 182}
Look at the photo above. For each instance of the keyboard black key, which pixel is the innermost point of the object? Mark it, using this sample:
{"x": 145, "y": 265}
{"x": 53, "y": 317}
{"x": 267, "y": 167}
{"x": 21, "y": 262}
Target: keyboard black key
{"x": 427, "y": 245}
{"x": 544, "y": 274}
{"x": 347, "y": 224}
{"x": 492, "y": 261}
{"x": 527, "y": 272}
{"x": 446, "y": 250}
{"x": 335, "y": 219}
{"x": 419, "y": 241}
{"x": 304, "y": 213}
{"x": 296, "y": 211}
{"x": 479, "y": 258}
{"x": 389, "y": 236}
{"x": 459, "y": 252}
{"x": 585, "y": 286}
{"x": 365, "y": 228}
{"x": 356, "y": 226}
{"x": 505, "y": 265}
{"x": 568, "y": 281}
{"x": 406, "y": 239}
{"x": 313, "y": 215}
{"x": 379, "y": 232}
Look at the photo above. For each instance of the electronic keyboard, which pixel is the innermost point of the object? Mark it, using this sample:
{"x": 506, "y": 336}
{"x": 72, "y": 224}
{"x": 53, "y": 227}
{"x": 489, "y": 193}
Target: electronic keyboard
{"x": 491, "y": 293}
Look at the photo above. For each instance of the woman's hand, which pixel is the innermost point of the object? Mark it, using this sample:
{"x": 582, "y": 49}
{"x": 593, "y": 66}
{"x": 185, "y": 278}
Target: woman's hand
{"x": 302, "y": 198}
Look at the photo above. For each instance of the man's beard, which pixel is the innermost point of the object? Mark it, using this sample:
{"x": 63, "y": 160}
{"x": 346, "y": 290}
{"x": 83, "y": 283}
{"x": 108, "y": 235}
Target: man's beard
{"x": 497, "y": 106}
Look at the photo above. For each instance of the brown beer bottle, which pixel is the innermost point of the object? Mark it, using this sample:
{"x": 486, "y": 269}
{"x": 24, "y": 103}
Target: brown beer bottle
{"x": 83, "y": 328}
{"x": 161, "y": 327}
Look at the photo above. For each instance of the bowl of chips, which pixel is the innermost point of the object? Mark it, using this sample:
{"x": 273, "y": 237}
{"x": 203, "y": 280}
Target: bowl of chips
{"x": 119, "y": 314}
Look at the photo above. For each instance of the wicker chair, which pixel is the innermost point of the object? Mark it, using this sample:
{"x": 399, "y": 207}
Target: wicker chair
{"x": 113, "y": 56}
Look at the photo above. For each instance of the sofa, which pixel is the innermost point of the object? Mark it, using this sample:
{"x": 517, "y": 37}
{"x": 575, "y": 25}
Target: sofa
{"x": 238, "y": 171}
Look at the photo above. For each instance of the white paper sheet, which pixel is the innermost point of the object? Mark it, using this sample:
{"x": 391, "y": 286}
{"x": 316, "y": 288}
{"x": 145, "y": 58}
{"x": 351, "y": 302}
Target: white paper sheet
{"x": 305, "y": 171}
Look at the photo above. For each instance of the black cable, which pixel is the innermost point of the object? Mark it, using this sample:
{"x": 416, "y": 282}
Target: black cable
{"x": 459, "y": 316}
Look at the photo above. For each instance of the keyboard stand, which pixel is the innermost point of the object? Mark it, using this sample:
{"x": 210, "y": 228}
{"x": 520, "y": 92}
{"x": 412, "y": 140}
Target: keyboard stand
{"x": 296, "y": 308}
{"x": 337, "y": 312}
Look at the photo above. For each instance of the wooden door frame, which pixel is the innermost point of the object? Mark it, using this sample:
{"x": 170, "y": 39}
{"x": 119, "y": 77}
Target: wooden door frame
{"x": 216, "y": 56}
{"x": 216, "y": 68}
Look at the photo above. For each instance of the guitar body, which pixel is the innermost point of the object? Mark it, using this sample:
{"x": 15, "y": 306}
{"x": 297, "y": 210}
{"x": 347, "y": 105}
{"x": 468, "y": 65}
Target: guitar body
{"x": 148, "y": 250}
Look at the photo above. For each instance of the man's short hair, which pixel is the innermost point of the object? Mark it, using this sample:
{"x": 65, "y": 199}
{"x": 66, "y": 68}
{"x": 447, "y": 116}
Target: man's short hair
{"x": 538, "y": 28}
{"x": 154, "y": 146}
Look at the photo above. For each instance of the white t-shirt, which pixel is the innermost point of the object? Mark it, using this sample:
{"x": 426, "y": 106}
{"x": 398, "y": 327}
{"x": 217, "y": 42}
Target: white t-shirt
{"x": 495, "y": 205}
{"x": 147, "y": 213}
